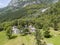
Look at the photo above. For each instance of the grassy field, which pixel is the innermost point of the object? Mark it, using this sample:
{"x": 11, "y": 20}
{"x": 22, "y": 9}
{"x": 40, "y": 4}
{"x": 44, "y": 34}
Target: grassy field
{"x": 54, "y": 40}
{"x": 3, "y": 38}
{"x": 28, "y": 39}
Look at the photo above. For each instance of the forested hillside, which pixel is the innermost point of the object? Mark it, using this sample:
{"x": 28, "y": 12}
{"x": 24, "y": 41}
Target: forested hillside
{"x": 50, "y": 16}
{"x": 8, "y": 14}
{"x": 22, "y": 12}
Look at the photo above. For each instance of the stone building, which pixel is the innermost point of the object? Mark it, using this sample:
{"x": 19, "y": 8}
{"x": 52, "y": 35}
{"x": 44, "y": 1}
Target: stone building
{"x": 15, "y": 30}
{"x": 31, "y": 28}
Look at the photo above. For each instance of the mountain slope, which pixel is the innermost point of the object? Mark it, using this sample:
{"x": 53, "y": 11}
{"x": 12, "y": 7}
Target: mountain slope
{"x": 23, "y": 3}
{"x": 23, "y": 12}
{"x": 29, "y": 11}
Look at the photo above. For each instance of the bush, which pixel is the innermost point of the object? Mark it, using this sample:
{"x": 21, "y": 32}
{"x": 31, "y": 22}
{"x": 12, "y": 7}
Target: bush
{"x": 9, "y": 32}
{"x": 1, "y": 28}
{"x": 25, "y": 31}
{"x": 47, "y": 34}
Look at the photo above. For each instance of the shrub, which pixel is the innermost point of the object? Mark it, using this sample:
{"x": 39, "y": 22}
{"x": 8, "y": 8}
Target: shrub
{"x": 47, "y": 34}
{"x": 9, "y": 32}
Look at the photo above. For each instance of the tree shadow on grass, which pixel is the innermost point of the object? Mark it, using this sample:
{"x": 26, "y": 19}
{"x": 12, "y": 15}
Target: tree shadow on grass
{"x": 13, "y": 37}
